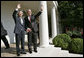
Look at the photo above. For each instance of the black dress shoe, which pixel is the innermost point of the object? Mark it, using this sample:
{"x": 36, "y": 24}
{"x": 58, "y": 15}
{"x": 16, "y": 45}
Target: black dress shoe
{"x": 18, "y": 54}
{"x": 23, "y": 52}
{"x": 30, "y": 52}
{"x": 35, "y": 51}
{"x": 7, "y": 47}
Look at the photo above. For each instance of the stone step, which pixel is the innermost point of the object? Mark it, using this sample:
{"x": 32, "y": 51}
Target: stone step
{"x": 45, "y": 52}
{"x": 51, "y": 51}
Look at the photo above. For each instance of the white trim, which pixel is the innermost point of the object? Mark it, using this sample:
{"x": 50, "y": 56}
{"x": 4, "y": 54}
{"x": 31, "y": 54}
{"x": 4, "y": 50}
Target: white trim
{"x": 55, "y": 4}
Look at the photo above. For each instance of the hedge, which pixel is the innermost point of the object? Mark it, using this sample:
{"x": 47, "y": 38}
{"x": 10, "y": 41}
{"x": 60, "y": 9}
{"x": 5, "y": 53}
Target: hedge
{"x": 62, "y": 40}
{"x": 74, "y": 34}
{"x": 58, "y": 42}
{"x": 76, "y": 46}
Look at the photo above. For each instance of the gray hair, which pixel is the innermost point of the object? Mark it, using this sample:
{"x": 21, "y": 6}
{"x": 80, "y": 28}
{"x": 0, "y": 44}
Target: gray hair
{"x": 29, "y": 10}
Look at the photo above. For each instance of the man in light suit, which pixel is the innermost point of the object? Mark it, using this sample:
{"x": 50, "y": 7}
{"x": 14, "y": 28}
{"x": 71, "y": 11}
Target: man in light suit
{"x": 31, "y": 29}
{"x": 19, "y": 29}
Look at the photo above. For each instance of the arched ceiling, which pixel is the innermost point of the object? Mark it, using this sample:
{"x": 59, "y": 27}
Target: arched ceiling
{"x": 33, "y": 5}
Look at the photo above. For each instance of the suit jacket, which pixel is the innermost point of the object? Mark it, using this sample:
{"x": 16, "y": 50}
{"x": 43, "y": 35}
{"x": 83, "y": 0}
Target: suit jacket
{"x": 3, "y": 31}
{"x": 18, "y": 26}
{"x": 33, "y": 23}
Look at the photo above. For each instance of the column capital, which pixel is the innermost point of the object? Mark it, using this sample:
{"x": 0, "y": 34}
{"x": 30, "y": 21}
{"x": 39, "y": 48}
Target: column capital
{"x": 55, "y": 4}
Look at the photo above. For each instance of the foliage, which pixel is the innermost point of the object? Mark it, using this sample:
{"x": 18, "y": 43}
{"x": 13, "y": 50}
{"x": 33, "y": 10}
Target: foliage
{"x": 76, "y": 46}
{"x": 71, "y": 13}
{"x": 74, "y": 34}
{"x": 69, "y": 33}
{"x": 62, "y": 40}
{"x": 57, "y": 42}
{"x": 65, "y": 46}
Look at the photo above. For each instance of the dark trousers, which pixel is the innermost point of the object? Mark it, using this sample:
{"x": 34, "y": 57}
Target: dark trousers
{"x": 32, "y": 39}
{"x": 5, "y": 41}
{"x": 20, "y": 38}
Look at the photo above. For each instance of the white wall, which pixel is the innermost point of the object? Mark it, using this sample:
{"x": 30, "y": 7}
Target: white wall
{"x": 7, "y": 9}
{"x": 6, "y": 18}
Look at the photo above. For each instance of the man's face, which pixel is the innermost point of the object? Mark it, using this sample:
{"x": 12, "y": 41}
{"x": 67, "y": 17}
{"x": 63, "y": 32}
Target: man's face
{"x": 20, "y": 13}
{"x": 29, "y": 12}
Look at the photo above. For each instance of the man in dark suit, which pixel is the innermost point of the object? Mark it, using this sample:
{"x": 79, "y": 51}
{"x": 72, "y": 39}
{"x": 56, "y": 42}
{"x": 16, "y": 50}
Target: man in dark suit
{"x": 3, "y": 34}
{"x": 32, "y": 28}
{"x": 19, "y": 30}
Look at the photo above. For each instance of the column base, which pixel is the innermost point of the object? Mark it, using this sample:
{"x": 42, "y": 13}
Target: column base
{"x": 50, "y": 41}
{"x": 43, "y": 46}
{"x": 46, "y": 46}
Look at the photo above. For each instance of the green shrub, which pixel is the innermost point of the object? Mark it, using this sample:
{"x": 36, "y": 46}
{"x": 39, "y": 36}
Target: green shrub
{"x": 65, "y": 46}
{"x": 69, "y": 33}
{"x": 58, "y": 42}
{"x": 76, "y": 46}
{"x": 62, "y": 40}
{"x": 76, "y": 33}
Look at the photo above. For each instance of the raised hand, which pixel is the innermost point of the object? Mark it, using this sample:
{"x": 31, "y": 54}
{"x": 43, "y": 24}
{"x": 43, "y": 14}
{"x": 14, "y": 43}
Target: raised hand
{"x": 18, "y": 6}
{"x": 41, "y": 7}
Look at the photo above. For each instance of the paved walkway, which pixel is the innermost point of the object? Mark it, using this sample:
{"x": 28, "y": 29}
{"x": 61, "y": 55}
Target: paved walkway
{"x": 50, "y": 51}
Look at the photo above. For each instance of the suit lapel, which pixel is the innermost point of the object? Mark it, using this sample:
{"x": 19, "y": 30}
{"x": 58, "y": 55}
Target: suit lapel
{"x": 20, "y": 21}
{"x": 28, "y": 19}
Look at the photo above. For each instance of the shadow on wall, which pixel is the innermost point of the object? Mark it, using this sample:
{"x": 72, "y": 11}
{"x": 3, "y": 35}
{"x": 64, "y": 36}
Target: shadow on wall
{"x": 6, "y": 18}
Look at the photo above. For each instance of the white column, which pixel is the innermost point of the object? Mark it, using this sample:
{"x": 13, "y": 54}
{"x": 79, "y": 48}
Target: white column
{"x": 43, "y": 26}
{"x": 53, "y": 22}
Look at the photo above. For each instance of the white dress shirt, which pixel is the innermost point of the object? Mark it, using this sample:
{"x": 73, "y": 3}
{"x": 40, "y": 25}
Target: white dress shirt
{"x": 21, "y": 20}
{"x": 29, "y": 18}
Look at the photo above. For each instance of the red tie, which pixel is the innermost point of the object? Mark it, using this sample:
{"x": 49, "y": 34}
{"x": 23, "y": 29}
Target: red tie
{"x": 30, "y": 18}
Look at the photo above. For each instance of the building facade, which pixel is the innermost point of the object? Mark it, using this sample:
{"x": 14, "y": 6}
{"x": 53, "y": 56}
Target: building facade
{"x": 50, "y": 9}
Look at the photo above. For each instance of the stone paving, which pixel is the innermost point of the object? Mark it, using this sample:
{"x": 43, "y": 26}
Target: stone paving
{"x": 11, "y": 52}
{"x": 50, "y": 51}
